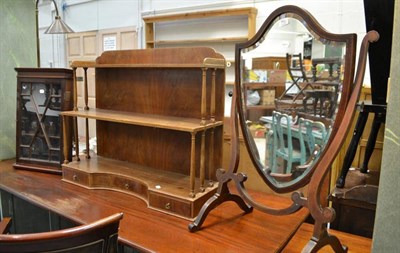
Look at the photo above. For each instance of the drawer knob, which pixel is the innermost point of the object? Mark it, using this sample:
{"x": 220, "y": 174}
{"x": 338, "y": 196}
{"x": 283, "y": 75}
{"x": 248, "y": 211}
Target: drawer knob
{"x": 126, "y": 186}
{"x": 168, "y": 206}
{"x": 74, "y": 177}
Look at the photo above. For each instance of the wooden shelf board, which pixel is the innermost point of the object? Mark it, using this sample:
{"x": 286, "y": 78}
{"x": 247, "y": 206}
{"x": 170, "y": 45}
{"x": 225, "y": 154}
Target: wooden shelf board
{"x": 290, "y": 102}
{"x": 210, "y": 40}
{"x": 209, "y": 62}
{"x": 263, "y": 85}
{"x": 156, "y": 180}
{"x": 149, "y": 120}
{"x": 260, "y": 107}
{"x": 201, "y": 14}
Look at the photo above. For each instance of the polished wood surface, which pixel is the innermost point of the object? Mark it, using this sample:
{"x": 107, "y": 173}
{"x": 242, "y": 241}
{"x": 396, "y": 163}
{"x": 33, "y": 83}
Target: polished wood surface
{"x": 153, "y": 231}
{"x": 162, "y": 190}
{"x": 353, "y": 242}
{"x": 225, "y": 230}
{"x": 157, "y": 121}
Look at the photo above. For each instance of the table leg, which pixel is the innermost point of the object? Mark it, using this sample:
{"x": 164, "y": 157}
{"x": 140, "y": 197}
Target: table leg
{"x": 378, "y": 119}
{"x": 351, "y": 151}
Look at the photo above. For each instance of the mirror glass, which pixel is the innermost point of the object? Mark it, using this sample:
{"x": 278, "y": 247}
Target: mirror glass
{"x": 290, "y": 88}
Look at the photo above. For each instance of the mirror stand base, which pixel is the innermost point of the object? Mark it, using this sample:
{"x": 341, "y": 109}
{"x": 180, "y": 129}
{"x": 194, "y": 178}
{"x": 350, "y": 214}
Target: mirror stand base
{"x": 222, "y": 195}
{"x": 314, "y": 245}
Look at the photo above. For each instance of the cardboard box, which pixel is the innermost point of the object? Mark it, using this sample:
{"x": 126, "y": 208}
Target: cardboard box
{"x": 277, "y": 76}
{"x": 267, "y": 97}
{"x": 257, "y": 131}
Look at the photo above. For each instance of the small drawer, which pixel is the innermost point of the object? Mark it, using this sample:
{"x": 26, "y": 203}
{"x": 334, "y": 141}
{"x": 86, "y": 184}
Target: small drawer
{"x": 130, "y": 185}
{"x": 76, "y": 177}
{"x": 114, "y": 182}
{"x": 171, "y": 205}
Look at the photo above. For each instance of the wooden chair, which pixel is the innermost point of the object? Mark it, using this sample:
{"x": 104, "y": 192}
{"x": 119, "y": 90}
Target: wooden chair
{"x": 291, "y": 98}
{"x": 99, "y": 236}
{"x": 297, "y": 72}
{"x": 282, "y": 144}
{"x": 310, "y": 130}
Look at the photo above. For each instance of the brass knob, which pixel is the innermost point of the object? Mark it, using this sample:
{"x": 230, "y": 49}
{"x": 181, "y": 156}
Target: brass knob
{"x": 126, "y": 186}
{"x": 168, "y": 206}
{"x": 74, "y": 177}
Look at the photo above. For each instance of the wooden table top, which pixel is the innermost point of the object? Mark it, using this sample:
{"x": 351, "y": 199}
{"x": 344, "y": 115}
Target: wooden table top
{"x": 355, "y": 244}
{"x": 226, "y": 229}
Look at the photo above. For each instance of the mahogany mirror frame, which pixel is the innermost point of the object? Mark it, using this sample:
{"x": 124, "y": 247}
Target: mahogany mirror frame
{"x": 314, "y": 179}
{"x": 350, "y": 41}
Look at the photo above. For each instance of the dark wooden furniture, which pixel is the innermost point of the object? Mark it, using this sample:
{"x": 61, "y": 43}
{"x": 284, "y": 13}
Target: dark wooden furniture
{"x": 159, "y": 117}
{"x": 325, "y": 91}
{"x": 148, "y": 230}
{"x": 378, "y": 17}
{"x": 355, "y": 209}
{"x": 318, "y": 92}
{"x": 42, "y": 93}
{"x": 100, "y": 236}
{"x": 333, "y": 64}
{"x": 365, "y": 108}
{"x": 289, "y": 101}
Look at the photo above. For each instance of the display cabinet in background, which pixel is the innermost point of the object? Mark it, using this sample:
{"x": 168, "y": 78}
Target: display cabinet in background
{"x": 42, "y": 93}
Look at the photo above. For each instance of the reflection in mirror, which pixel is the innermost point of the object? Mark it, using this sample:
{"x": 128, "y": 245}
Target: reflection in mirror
{"x": 290, "y": 87}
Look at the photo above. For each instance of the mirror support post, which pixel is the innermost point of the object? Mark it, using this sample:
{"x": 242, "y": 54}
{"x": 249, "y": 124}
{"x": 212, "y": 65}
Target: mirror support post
{"x": 224, "y": 177}
{"x": 321, "y": 215}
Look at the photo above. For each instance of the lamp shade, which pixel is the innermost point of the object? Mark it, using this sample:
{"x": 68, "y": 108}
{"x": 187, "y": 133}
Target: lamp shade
{"x": 58, "y": 26}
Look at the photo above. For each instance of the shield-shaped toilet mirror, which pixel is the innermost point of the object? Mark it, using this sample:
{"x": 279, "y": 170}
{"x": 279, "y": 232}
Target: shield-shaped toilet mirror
{"x": 294, "y": 100}
{"x": 293, "y": 79}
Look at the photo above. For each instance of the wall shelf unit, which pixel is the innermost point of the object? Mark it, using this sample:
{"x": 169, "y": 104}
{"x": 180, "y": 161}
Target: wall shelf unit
{"x": 159, "y": 120}
{"x": 152, "y": 40}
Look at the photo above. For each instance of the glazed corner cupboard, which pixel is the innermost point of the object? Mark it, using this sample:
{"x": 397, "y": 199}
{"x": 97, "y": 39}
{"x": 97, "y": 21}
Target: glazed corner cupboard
{"x": 159, "y": 123}
{"x": 42, "y": 93}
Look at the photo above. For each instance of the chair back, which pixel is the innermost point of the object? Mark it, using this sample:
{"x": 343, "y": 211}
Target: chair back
{"x": 99, "y": 236}
{"x": 282, "y": 127}
{"x": 296, "y": 72}
{"x": 313, "y": 130}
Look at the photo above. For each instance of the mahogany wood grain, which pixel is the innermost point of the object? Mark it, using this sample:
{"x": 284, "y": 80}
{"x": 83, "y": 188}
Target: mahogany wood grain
{"x": 171, "y": 92}
{"x": 158, "y": 109}
{"x": 140, "y": 119}
{"x": 353, "y": 242}
{"x": 226, "y": 229}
